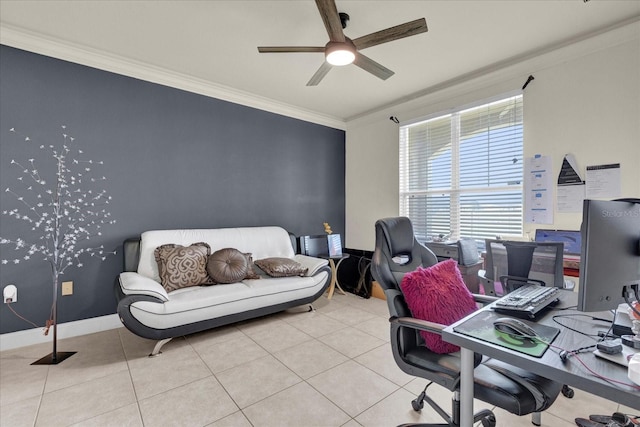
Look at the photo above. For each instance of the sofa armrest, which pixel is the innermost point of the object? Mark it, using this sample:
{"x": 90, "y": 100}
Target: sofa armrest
{"x": 312, "y": 263}
{"x": 136, "y": 284}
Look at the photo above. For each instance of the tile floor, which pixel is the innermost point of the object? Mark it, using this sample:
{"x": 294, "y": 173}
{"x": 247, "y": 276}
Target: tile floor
{"x": 331, "y": 367}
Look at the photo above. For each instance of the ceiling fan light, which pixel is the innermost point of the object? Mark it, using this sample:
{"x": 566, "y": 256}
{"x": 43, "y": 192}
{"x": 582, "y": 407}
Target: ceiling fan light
{"x": 337, "y": 53}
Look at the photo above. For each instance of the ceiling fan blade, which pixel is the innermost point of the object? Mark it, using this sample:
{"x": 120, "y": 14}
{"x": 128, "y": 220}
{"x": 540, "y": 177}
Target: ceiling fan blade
{"x": 319, "y": 75}
{"x": 289, "y": 49}
{"x": 393, "y": 33}
{"x": 329, "y": 13}
{"x": 372, "y": 66}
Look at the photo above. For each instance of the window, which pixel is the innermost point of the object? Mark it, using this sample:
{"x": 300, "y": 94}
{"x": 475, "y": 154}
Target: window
{"x": 461, "y": 173}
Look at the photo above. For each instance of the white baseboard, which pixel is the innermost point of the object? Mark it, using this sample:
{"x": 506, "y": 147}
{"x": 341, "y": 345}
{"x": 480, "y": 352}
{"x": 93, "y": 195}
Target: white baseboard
{"x": 27, "y": 337}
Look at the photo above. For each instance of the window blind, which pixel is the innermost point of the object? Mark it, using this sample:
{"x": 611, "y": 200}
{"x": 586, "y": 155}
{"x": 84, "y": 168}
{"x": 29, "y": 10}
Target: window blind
{"x": 461, "y": 173}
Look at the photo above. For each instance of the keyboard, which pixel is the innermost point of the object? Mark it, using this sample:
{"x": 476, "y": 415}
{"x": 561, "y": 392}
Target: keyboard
{"x": 527, "y": 301}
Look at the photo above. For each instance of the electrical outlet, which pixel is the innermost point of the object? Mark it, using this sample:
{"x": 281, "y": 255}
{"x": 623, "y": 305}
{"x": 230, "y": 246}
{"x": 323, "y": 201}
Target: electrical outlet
{"x": 10, "y": 294}
{"x": 67, "y": 288}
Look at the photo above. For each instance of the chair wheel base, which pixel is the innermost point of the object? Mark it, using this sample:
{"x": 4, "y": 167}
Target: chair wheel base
{"x": 418, "y": 403}
{"x": 567, "y": 391}
{"x": 489, "y": 421}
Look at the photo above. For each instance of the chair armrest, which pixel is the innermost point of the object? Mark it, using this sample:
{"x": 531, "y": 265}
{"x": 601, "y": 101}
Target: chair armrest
{"x": 484, "y": 299}
{"x": 136, "y": 284}
{"x": 313, "y": 264}
{"x": 421, "y": 325}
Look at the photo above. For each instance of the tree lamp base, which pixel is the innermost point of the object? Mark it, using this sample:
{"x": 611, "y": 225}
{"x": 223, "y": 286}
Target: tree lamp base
{"x": 49, "y": 359}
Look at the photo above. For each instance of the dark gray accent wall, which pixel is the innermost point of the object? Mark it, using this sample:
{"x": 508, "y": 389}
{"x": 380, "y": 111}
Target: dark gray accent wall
{"x": 173, "y": 159}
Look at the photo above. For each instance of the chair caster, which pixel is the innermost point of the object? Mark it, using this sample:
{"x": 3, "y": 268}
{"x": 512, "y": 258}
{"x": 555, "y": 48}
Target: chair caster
{"x": 418, "y": 403}
{"x": 567, "y": 391}
{"x": 489, "y": 421}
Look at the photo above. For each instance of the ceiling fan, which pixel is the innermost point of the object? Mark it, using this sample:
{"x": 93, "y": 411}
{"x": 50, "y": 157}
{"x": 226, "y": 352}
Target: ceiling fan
{"x": 341, "y": 50}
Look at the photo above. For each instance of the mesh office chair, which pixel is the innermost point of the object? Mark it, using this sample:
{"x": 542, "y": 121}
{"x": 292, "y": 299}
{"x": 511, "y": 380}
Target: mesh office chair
{"x": 397, "y": 252}
{"x": 514, "y": 264}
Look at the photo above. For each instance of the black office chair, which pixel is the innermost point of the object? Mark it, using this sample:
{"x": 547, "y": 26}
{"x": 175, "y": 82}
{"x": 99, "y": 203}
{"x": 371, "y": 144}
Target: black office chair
{"x": 514, "y": 264}
{"x": 397, "y": 252}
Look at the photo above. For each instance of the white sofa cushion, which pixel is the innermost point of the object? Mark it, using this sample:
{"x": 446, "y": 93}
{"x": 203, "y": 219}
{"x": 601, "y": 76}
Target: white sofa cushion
{"x": 261, "y": 242}
{"x": 189, "y": 305}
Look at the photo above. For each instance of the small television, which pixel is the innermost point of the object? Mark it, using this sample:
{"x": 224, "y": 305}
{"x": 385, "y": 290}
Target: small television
{"x": 323, "y": 245}
{"x": 610, "y": 254}
{"x": 315, "y": 245}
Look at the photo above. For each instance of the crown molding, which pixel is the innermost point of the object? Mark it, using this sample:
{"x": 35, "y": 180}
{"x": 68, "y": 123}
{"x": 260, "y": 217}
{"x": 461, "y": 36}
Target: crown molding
{"x": 67, "y": 51}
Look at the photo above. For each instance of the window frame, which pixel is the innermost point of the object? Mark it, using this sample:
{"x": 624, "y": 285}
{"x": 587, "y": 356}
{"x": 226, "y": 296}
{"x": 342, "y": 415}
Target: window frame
{"x": 456, "y": 190}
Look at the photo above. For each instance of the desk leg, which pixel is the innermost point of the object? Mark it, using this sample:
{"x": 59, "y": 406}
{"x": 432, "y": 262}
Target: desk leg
{"x": 466, "y": 387}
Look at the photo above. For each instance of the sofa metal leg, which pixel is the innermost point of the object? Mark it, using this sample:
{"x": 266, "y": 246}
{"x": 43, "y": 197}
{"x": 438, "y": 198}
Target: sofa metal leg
{"x": 156, "y": 350}
{"x": 311, "y": 308}
{"x": 536, "y": 418}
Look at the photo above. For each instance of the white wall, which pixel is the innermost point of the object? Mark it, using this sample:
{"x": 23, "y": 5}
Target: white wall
{"x": 585, "y": 100}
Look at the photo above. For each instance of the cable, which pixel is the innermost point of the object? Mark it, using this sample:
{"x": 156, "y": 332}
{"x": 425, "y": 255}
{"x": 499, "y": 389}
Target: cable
{"x": 557, "y": 316}
{"x": 597, "y": 375}
{"x": 19, "y": 316}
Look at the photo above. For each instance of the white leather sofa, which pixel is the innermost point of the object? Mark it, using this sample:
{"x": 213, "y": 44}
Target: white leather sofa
{"x": 148, "y": 310}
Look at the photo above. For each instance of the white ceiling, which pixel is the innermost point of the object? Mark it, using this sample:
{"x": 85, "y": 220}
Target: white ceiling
{"x": 215, "y": 41}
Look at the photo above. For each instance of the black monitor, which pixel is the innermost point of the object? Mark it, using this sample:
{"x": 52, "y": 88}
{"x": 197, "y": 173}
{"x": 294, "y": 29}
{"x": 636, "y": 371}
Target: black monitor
{"x": 315, "y": 245}
{"x": 610, "y": 253}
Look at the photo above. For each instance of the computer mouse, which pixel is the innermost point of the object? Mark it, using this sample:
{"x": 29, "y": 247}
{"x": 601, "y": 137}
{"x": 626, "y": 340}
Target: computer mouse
{"x": 514, "y": 327}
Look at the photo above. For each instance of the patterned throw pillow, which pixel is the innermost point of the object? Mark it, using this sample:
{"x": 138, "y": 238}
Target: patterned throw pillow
{"x": 281, "y": 267}
{"x": 182, "y": 266}
{"x": 438, "y": 294}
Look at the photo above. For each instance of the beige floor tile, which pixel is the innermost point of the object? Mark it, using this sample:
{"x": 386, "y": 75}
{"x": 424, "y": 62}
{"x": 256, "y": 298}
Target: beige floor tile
{"x": 350, "y": 315}
{"x": 277, "y": 336}
{"x": 582, "y": 405}
{"x": 351, "y": 423}
{"x": 237, "y": 419}
{"x": 171, "y": 369}
{"x": 316, "y": 324}
{"x": 379, "y": 327}
{"x": 351, "y": 342}
{"x": 228, "y": 354}
{"x": 310, "y": 358}
{"x": 395, "y": 410}
{"x": 299, "y": 405}
{"x": 381, "y": 361}
{"x": 195, "y": 404}
{"x": 127, "y": 416}
{"x": 214, "y": 336}
{"x": 100, "y": 356}
{"x": 352, "y": 387}
{"x": 256, "y": 380}
{"x": 20, "y": 380}
{"x": 507, "y": 419}
{"x": 87, "y": 400}
{"x": 376, "y": 306}
{"x": 93, "y": 387}
{"x": 20, "y": 413}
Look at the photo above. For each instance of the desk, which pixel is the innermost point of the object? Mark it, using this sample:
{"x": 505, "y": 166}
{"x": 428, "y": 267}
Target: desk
{"x": 549, "y": 365}
{"x": 334, "y": 272}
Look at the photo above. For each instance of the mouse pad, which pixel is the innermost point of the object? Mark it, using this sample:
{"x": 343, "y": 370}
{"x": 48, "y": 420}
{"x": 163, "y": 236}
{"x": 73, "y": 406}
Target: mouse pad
{"x": 481, "y": 327}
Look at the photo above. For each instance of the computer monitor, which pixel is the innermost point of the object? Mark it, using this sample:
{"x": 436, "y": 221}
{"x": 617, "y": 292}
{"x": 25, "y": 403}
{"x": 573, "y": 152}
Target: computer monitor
{"x": 314, "y": 245}
{"x": 571, "y": 239}
{"x": 610, "y": 253}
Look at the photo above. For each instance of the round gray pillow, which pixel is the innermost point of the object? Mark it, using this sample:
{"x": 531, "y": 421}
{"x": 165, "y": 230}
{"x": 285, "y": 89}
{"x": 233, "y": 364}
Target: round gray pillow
{"x": 227, "y": 266}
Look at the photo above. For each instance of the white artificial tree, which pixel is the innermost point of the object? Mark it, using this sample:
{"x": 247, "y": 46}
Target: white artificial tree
{"x": 63, "y": 213}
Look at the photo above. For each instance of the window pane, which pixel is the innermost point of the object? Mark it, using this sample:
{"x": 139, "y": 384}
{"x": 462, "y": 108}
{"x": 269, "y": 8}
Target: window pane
{"x": 462, "y": 173}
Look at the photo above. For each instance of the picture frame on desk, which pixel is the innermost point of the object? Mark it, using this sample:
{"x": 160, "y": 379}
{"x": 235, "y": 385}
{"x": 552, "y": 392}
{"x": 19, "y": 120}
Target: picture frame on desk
{"x": 334, "y": 242}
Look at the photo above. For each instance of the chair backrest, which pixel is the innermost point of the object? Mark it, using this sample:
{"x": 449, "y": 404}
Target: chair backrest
{"x": 528, "y": 260}
{"x": 397, "y": 252}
